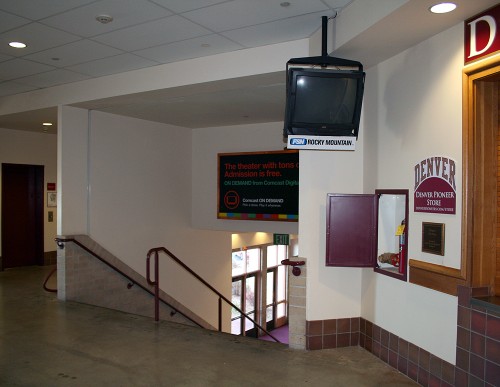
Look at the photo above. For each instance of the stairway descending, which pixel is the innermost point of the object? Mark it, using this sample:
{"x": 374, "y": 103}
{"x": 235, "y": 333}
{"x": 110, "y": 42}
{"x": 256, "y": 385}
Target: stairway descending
{"x": 90, "y": 274}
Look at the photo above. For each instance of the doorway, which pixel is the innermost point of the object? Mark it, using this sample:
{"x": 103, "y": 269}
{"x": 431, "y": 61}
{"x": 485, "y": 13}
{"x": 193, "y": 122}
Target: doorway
{"x": 22, "y": 215}
{"x": 480, "y": 221}
{"x": 276, "y": 287}
{"x": 246, "y": 266}
{"x": 259, "y": 289}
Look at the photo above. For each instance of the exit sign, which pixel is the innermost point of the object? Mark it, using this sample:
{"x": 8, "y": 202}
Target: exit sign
{"x": 281, "y": 239}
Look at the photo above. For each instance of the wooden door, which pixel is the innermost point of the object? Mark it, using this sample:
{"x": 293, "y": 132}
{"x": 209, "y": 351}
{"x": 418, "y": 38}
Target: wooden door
{"x": 22, "y": 215}
{"x": 480, "y": 162}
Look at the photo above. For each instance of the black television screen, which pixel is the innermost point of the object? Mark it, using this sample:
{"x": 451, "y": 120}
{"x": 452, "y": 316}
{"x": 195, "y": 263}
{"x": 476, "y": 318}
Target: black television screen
{"x": 322, "y": 102}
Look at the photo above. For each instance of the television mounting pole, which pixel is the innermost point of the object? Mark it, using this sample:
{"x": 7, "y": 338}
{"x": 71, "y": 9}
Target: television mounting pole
{"x": 324, "y": 36}
{"x": 324, "y": 60}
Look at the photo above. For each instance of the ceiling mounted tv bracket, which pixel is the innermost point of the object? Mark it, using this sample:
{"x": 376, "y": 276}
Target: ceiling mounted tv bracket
{"x": 325, "y": 61}
{"x": 324, "y": 96}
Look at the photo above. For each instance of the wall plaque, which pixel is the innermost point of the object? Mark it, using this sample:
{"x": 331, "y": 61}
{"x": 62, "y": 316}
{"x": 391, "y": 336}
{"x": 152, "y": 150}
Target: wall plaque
{"x": 433, "y": 238}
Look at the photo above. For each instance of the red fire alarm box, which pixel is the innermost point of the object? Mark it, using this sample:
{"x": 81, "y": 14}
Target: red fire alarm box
{"x": 365, "y": 230}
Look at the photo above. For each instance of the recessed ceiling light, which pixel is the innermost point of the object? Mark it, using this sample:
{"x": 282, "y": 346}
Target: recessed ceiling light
{"x": 285, "y": 4}
{"x": 47, "y": 124}
{"x": 443, "y": 7}
{"x": 17, "y": 44}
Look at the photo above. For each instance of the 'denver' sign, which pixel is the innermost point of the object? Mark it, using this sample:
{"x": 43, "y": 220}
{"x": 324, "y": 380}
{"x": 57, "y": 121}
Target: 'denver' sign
{"x": 435, "y": 186}
{"x": 259, "y": 186}
{"x": 482, "y": 35}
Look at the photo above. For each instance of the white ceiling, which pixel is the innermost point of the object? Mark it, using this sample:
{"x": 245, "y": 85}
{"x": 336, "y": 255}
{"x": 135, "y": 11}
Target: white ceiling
{"x": 67, "y": 44}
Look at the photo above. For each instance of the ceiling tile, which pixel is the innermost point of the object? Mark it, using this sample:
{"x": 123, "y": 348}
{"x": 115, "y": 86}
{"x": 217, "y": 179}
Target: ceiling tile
{"x": 191, "y": 48}
{"x": 113, "y": 65}
{"x": 9, "y": 21}
{"x": 337, "y": 3}
{"x": 17, "y": 68}
{"x": 38, "y": 9}
{"x": 244, "y": 13}
{"x": 52, "y": 78}
{"x": 82, "y": 21}
{"x": 3, "y": 58}
{"x": 73, "y": 53}
{"x": 37, "y": 36}
{"x": 167, "y": 30}
{"x": 10, "y": 88}
{"x": 179, "y": 6}
{"x": 279, "y": 31}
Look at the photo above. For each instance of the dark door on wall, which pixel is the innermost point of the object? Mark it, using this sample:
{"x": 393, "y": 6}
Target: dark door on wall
{"x": 22, "y": 215}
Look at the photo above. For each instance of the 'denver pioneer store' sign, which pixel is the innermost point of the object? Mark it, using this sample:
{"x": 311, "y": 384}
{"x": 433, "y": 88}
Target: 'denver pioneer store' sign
{"x": 259, "y": 186}
{"x": 482, "y": 35}
{"x": 435, "y": 186}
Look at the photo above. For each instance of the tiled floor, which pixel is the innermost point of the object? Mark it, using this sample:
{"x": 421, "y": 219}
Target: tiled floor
{"x": 280, "y": 333}
{"x": 45, "y": 342}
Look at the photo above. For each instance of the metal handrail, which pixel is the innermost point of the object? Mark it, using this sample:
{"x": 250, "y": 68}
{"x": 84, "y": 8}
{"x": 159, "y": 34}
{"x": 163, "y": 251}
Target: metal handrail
{"x": 45, "y": 287}
{"x": 60, "y": 243}
{"x": 156, "y": 283}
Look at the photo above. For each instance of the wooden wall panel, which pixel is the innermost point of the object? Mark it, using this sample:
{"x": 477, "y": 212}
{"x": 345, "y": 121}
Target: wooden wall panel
{"x": 496, "y": 286}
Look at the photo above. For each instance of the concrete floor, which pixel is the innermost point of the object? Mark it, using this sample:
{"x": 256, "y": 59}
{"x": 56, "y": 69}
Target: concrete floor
{"x": 45, "y": 342}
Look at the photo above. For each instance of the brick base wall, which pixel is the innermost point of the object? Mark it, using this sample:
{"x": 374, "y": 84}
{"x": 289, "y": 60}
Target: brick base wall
{"x": 478, "y": 339}
{"x": 333, "y": 333}
{"x": 478, "y": 345}
{"x": 409, "y": 359}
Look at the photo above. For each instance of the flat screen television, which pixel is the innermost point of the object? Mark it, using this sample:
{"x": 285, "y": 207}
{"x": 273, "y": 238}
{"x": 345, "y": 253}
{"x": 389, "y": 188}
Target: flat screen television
{"x": 323, "y": 102}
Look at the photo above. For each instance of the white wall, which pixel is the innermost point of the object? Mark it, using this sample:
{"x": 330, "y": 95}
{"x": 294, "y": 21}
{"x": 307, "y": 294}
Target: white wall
{"x": 133, "y": 185}
{"x": 72, "y": 169}
{"x": 22, "y": 147}
{"x": 332, "y": 292}
{"x": 207, "y": 143}
{"x": 415, "y": 113}
{"x": 139, "y": 175}
{"x": 413, "y": 110}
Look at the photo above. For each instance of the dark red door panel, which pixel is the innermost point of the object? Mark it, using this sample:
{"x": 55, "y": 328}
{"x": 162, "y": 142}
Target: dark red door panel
{"x": 350, "y": 230}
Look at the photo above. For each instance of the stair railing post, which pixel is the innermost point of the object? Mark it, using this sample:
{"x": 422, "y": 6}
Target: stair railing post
{"x": 157, "y": 289}
{"x": 220, "y": 314}
{"x": 155, "y": 283}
